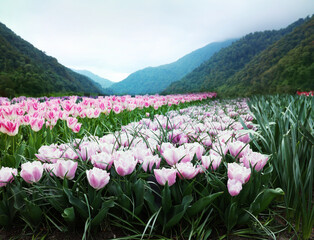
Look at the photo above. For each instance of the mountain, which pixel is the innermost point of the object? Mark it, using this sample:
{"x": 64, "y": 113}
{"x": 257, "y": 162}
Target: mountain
{"x": 238, "y": 63}
{"x": 152, "y": 80}
{"x": 284, "y": 67}
{"x": 25, "y": 70}
{"x": 105, "y": 83}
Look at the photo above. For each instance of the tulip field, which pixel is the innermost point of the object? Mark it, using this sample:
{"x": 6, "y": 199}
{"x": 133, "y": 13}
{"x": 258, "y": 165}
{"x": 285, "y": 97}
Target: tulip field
{"x": 158, "y": 167}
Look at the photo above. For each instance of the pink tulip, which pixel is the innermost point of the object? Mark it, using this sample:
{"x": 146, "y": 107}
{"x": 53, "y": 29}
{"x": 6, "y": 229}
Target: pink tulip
{"x": 49, "y": 167}
{"x": 245, "y": 138}
{"x": 149, "y": 161}
{"x": 65, "y": 169}
{"x": 32, "y": 171}
{"x": 212, "y": 160}
{"x": 220, "y": 148}
{"x": 238, "y": 148}
{"x": 234, "y": 187}
{"x": 140, "y": 153}
{"x": 36, "y": 124}
{"x": 195, "y": 148}
{"x": 48, "y": 154}
{"x": 238, "y": 172}
{"x": 165, "y": 175}
{"x": 254, "y": 159}
{"x": 124, "y": 163}
{"x": 174, "y": 155}
{"x": 102, "y": 160}
{"x": 7, "y": 175}
{"x": 71, "y": 122}
{"x": 88, "y": 149}
{"x": 10, "y": 128}
{"x": 186, "y": 170}
{"x": 77, "y": 127}
{"x": 164, "y": 146}
{"x": 97, "y": 178}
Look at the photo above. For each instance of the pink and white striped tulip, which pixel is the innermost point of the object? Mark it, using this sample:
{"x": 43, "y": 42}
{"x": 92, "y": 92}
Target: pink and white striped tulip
{"x": 238, "y": 172}
{"x": 238, "y": 148}
{"x": 65, "y": 169}
{"x": 165, "y": 175}
{"x": 234, "y": 187}
{"x": 97, "y": 178}
{"x": 149, "y": 161}
{"x": 7, "y": 175}
{"x": 124, "y": 162}
{"x": 254, "y": 159}
{"x": 212, "y": 160}
{"x": 102, "y": 160}
{"x": 186, "y": 170}
{"x": 32, "y": 171}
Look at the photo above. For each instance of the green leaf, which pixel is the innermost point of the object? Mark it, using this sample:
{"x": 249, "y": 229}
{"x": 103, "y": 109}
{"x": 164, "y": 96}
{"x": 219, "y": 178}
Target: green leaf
{"x": 179, "y": 211}
{"x": 262, "y": 200}
{"x": 69, "y": 215}
{"x": 103, "y": 212}
{"x": 231, "y": 216}
{"x": 202, "y": 204}
{"x": 32, "y": 212}
{"x": 149, "y": 198}
{"x": 79, "y": 205}
{"x": 139, "y": 194}
{"x": 166, "y": 199}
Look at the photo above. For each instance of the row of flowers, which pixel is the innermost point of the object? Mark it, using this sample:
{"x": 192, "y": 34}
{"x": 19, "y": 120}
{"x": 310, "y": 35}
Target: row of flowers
{"x": 310, "y": 93}
{"x": 192, "y": 145}
{"x": 170, "y": 169}
{"x": 37, "y": 113}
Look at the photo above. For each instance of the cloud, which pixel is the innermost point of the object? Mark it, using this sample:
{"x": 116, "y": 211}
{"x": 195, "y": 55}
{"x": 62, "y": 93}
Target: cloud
{"x": 118, "y": 37}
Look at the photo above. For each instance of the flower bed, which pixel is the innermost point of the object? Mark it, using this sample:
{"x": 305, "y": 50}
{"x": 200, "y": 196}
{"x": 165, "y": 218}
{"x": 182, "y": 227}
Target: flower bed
{"x": 189, "y": 172}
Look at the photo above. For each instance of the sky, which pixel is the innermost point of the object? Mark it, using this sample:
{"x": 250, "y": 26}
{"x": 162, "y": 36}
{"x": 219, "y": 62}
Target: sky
{"x": 113, "y": 38}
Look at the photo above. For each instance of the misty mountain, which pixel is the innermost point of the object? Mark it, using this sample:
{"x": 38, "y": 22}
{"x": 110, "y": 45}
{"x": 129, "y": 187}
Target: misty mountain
{"x": 153, "y": 80}
{"x": 25, "y": 70}
{"x": 262, "y": 62}
{"x": 105, "y": 83}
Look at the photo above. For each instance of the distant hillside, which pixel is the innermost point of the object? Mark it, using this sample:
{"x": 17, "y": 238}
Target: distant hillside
{"x": 105, "y": 83}
{"x": 155, "y": 79}
{"x": 25, "y": 70}
{"x": 284, "y": 67}
{"x": 225, "y": 65}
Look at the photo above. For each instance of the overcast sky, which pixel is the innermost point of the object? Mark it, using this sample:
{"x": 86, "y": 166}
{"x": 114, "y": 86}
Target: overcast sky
{"x": 114, "y": 38}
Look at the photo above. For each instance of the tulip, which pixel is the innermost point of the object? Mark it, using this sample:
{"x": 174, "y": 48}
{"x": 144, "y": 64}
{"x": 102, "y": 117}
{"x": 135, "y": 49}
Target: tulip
{"x": 174, "y": 155}
{"x": 149, "y": 161}
{"x": 32, "y": 171}
{"x": 238, "y": 172}
{"x": 212, "y": 160}
{"x": 65, "y": 169}
{"x": 102, "y": 160}
{"x": 10, "y": 128}
{"x": 124, "y": 163}
{"x": 77, "y": 127}
{"x": 234, "y": 187}
{"x": 48, "y": 154}
{"x": 238, "y": 148}
{"x": 254, "y": 159}
{"x": 7, "y": 175}
{"x": 97, "y": 178}
{"x": 36, "y": 124}
{"x": 71, "y": 122}
{"x": 186, "y": 170}
{"x": 165, "y": 175}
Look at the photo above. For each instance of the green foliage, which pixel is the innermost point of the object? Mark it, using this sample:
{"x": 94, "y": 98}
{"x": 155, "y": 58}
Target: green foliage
{"x": 153, "y": 80}
{"x": 286, "y": 124}
{"x": 25, "y": 70}
{"x": 262, "y": 62}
